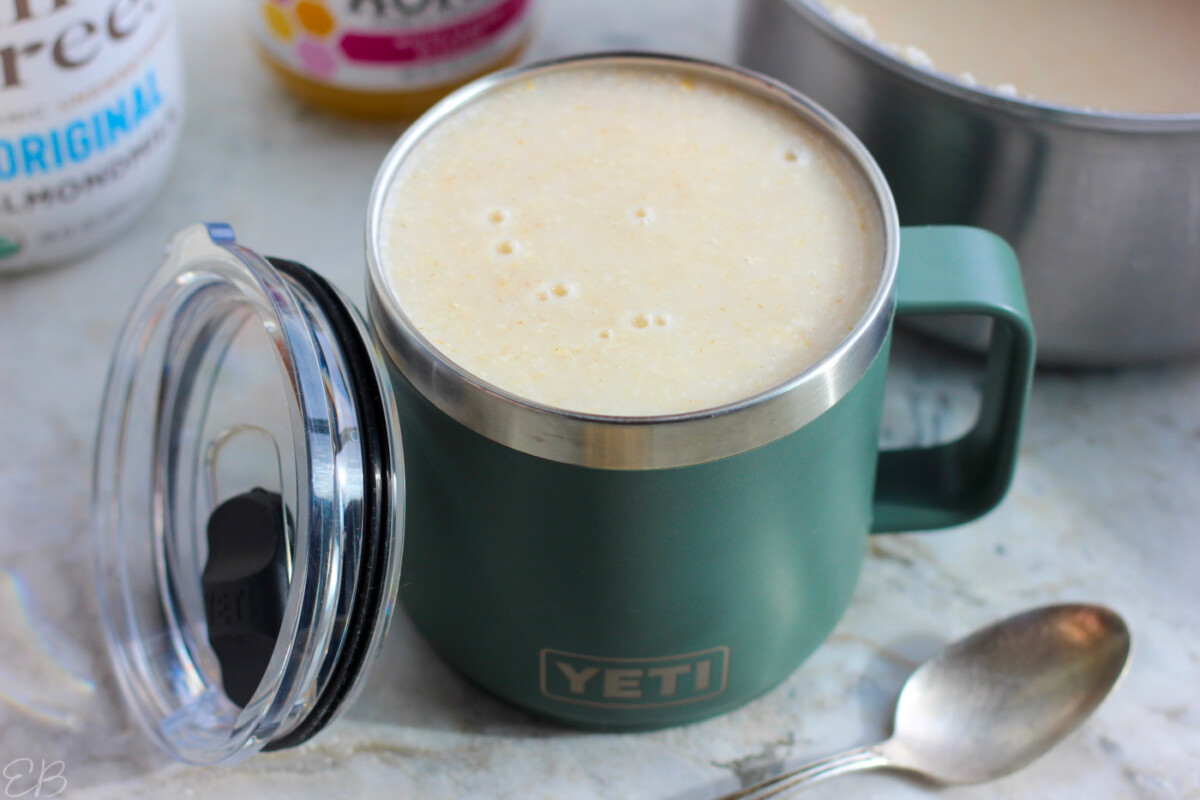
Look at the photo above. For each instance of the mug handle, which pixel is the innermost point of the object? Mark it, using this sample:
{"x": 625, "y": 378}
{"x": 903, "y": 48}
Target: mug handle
{"x": 960, "y": 270}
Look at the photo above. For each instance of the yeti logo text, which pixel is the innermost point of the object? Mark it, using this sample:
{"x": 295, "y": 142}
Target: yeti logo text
{"x": 634, "y": 682}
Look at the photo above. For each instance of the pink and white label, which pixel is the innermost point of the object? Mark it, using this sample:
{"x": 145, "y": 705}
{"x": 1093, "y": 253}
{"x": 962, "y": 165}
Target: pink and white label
{"x": 387, "y": 45}
{"x": 406, "y": 46}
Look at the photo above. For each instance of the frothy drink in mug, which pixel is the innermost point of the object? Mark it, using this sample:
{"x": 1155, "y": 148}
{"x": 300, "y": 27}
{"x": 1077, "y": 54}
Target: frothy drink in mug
{"x": 630, "y": 241}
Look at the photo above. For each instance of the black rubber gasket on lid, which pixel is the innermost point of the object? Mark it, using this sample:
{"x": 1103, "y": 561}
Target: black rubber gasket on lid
{"x": 377, "y": 477}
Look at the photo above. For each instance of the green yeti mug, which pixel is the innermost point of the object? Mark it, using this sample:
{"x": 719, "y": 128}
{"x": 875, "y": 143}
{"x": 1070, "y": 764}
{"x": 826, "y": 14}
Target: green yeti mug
{"x": 272, "y": 471}
{"x": 627, "y": 573}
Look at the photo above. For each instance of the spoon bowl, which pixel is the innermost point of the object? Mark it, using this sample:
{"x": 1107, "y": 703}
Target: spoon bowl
{"x": 989, "y": 704}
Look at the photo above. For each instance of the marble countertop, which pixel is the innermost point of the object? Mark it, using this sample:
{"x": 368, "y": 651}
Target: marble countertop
{"x": 1105, "y": 508}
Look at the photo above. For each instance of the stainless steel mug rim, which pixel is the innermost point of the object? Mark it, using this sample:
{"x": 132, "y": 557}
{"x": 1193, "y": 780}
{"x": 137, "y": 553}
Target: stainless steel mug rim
{"x": 621, "y": 442}
{"x": 1022, "y": 107}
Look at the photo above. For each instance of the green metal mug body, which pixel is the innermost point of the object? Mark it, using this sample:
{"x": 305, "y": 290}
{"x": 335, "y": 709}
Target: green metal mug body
{"x": 631, "y": 573}
{"x": 634, "y": 598}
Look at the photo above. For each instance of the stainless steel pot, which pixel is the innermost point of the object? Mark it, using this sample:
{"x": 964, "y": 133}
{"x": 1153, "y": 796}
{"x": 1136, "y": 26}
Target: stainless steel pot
{"x": 1103, "y": 209}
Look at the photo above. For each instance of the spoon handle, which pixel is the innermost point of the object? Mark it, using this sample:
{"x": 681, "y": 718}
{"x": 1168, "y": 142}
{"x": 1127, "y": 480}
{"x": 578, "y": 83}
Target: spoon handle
{"x": 850, "y": 761}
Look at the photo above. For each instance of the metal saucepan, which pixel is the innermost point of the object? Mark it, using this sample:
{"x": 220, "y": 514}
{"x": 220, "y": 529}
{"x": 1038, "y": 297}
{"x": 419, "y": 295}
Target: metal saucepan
{"x": 1103, "y": 209}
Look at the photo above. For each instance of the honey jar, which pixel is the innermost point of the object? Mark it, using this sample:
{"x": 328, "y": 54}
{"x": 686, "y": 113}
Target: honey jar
{"x": 386, "y": 59}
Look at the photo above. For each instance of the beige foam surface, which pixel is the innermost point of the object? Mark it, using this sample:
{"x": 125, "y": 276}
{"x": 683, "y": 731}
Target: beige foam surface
{"x": 622, "y": 241}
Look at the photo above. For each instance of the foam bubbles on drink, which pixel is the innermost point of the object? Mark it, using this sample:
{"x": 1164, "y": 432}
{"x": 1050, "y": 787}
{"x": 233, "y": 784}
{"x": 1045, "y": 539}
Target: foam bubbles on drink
{"x": 642, "y": 215}
{"x": 643, "y": 321}
{"x": 556, "y": 291}
{"x": 798, "y": 154}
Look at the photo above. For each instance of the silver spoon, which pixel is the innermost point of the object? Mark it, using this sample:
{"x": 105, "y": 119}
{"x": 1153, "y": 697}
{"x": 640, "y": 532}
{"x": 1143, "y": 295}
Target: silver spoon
{"x": 988, "y": 704}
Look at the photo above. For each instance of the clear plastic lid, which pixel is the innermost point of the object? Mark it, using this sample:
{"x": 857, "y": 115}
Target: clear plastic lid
{"x": 247, "y": 502}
